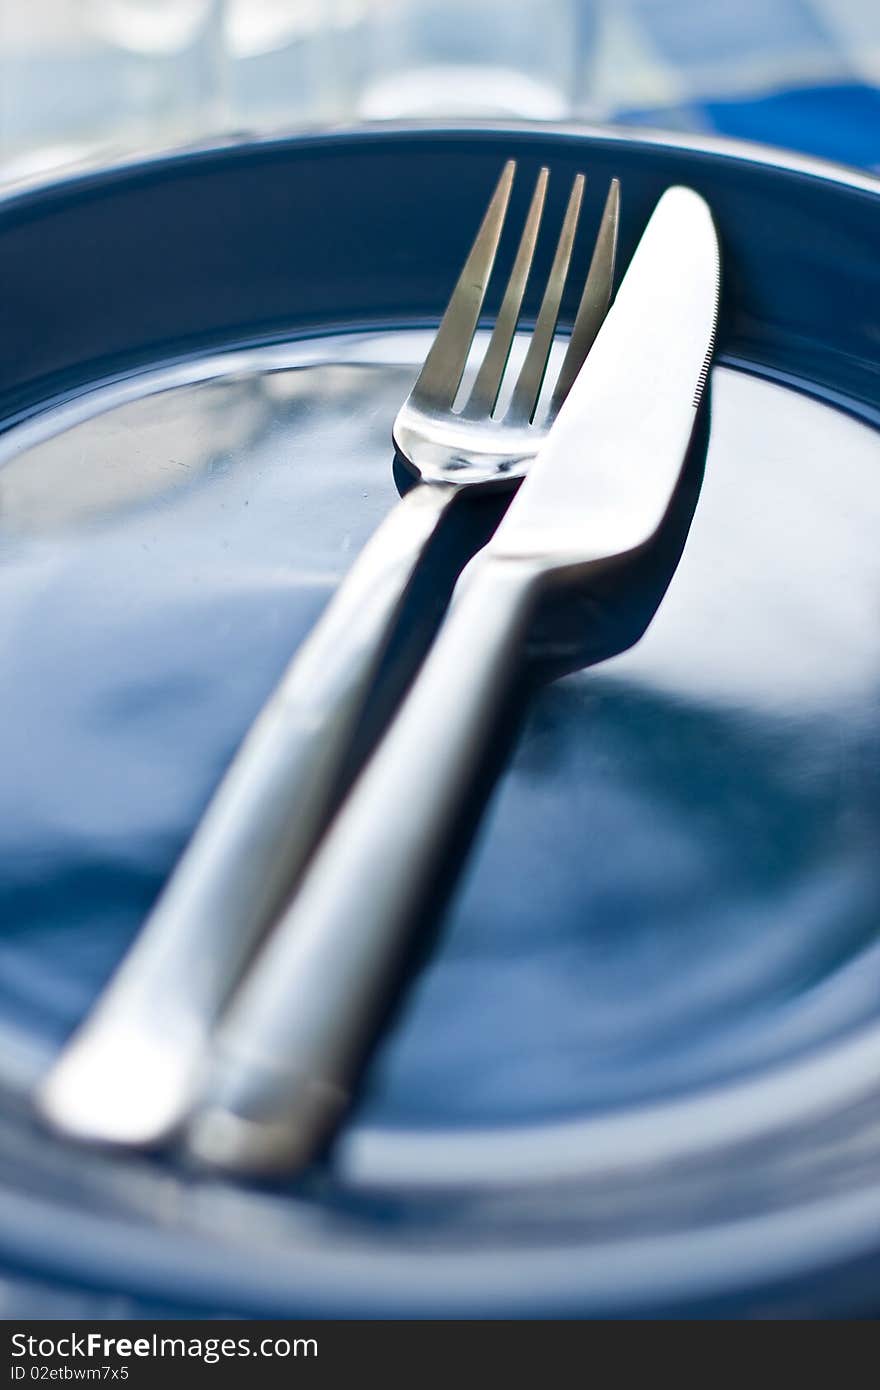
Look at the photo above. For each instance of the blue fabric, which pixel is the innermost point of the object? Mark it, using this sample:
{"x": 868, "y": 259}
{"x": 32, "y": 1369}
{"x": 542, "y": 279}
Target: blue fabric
{"x": 841, "y": 123}
{"x": 837, "y": 122}
{"x": 800, "y": 74}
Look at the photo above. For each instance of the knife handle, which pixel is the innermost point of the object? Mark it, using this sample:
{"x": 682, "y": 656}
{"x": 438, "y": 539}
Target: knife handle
{"x": 296, "y": 1033}
{"x": 128, "y": 1074}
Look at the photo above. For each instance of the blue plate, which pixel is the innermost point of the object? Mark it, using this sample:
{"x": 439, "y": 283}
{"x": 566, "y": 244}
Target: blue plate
{"x": 640, "y": 1070}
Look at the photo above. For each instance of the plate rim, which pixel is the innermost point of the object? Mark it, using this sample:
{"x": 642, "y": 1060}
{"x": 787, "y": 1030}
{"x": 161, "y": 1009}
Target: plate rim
{"x": 95, "y": 170}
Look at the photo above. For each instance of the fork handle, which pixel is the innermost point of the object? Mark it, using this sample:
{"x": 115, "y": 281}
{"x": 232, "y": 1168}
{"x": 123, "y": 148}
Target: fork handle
{"x": 296, "y": 1033}
{"x": 128, "y": 1074}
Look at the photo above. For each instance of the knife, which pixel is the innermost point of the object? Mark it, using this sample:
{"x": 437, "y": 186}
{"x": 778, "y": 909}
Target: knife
{"x": 297, "y": 1032}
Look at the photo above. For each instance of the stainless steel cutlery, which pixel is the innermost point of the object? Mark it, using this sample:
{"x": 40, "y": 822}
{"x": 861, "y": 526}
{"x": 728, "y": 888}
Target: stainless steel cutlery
{"x": 130, "y": 1073}
{"x": 597, "y": 495}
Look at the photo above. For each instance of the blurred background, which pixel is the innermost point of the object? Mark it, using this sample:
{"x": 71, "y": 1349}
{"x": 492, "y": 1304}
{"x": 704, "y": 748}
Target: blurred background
{"x": 86, "y": 79}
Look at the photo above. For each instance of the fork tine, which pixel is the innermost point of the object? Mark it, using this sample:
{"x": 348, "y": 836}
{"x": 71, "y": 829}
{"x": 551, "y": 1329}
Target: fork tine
{"x": 594, "y": 300}
{"x": 528, "y": 385}
{"x": 488, "y": 383}
{"x": 444, "y": 365}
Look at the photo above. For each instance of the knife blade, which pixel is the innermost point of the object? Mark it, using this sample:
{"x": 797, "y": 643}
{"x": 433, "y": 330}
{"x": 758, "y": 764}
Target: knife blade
{"x": 603, "y": 478}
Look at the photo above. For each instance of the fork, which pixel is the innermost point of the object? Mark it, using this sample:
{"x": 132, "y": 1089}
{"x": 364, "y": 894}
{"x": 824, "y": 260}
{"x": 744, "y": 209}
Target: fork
{"x": 132, "y": 1068}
